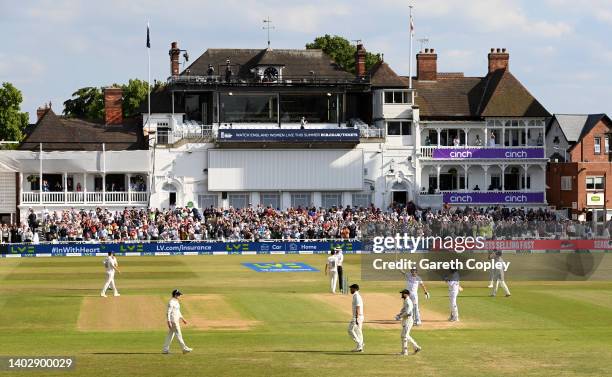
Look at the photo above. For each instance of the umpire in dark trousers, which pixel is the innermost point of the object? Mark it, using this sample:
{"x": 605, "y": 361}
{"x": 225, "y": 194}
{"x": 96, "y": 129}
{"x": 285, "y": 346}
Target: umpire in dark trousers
{"x": 340, "y": 258}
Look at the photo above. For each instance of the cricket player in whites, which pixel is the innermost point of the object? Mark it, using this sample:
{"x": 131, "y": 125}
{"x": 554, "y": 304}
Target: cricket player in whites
{"x": 454, "y": 288}
{"x": 111, "y": 265}
{"x": 355, "y": 328}
{"x": 413, "y": 280}
{"x": 174, "y": 327}
{"x": 405, "y": 315}
{"x": 498, "y": 275}
{"x": 332, "y": 268}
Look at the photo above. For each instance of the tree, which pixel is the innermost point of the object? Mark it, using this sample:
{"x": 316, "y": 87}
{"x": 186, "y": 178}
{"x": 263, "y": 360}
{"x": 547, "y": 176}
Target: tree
{"x": 342, "y": 51}
{"x": 86, "y": 103}
{"x": 13, "y": 122}
{"x": 134, "y": 93}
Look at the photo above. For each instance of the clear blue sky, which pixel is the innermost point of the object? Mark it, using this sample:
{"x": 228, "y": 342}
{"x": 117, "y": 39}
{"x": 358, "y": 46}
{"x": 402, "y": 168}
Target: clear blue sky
{"x": 560, "y": 49}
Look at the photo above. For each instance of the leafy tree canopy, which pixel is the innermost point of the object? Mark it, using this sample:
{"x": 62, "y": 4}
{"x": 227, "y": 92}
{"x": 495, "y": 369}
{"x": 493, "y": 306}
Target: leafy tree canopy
{"x": 13, "y": 122}
{"x": 342, "y": 51}
{"x": 88, "y": 102}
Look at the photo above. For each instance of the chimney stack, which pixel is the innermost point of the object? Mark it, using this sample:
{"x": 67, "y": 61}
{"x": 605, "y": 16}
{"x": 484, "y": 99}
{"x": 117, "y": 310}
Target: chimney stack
{"x": 360, "y": 61}
{"x": 427, "y": 65}
{"x": 113, "y": 106}
{"x": 175, "y": 53}
{"x": 41, "y": 111}
{"x": 499, "y": 58}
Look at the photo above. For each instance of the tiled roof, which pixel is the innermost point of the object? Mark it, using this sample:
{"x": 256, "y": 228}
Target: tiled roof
{"x": 499, "y": 94}
{"x": 571, "y": 125}
{"x": 381, "y": 75}
{"x": 64, "y": 134}
{"x": 296, "y": 62}
{"x": 449, "y": 97}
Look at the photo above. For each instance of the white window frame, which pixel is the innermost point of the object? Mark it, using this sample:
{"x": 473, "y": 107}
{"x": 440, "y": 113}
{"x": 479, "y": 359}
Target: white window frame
{"x": 401, "y": 127}
{"x": 566, "y": 183}
{"x": 206, "y": 197}
{"x": 362, "y": 199}
{"x": 295, "y": 196}
{"x": 594, "y": 181}
{"x": 239, "y": 196}
{"x": 597, "y": 145}
{"x": 268, "y": 202}
{"x": 400, "y": 97}
{"x": 331, "y": 199}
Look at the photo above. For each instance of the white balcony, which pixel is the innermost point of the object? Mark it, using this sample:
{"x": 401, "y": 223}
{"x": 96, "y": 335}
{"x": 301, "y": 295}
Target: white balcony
{"x": 74, "y": 198}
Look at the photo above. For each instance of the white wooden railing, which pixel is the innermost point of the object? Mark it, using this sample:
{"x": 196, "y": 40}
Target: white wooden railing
{"x": 115, "y": 197}
{"x": 427, "y": 151}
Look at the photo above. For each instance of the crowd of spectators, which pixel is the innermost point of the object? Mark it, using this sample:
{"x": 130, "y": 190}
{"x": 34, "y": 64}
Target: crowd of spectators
{"x": 265, "y": 223}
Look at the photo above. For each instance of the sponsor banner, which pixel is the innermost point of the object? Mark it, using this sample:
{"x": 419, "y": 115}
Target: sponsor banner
{"x": 595, "y": 199}
{"x": 487, "y": 153}
{"x": 163, "y": 248}
{"x": 493, "y": 197}
{"x": 280, "y": 267}
{"x": 289, "y": 135}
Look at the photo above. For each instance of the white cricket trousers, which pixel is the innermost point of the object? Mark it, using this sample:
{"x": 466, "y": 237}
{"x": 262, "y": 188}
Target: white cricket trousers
{"x": 356, "y": 332}
{"x": 333, "y": 281}
{"x": 496, "y": 285}
{"x": 175, "y": 330}
{"x": 416, "y": 313}
{"x": 454, "y": 309}
{"x": 110, "y": 282}
{"x": 406, "y": 338}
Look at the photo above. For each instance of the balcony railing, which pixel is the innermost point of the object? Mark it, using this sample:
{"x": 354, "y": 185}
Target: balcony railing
{"x": 487, "y": 197}
{"x": 313, "y": 79}
{"x": 115, "y": 197}
{"x": 482, "y": 152}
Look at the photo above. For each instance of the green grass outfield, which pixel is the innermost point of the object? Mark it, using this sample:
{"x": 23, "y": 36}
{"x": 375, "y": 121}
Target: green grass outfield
{"x": 544, "y": 329}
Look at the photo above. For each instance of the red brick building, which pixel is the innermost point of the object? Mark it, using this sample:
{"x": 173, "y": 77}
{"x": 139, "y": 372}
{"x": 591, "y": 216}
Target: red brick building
{"x": 579, "y": 175}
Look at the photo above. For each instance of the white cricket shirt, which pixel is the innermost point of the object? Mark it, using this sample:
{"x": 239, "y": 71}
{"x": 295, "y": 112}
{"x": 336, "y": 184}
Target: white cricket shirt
{"x": 174, "y": 310}
{"x": 332, "y": 263}
{"x": 357, "y": 301}
{"x": 110, "y": 263}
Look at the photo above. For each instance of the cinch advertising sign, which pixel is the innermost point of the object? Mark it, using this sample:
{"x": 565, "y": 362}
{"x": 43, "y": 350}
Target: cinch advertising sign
{"x": 482, "y": 153}
{"x": 289, "y": 135}
{"x": 280, "y": 267}
{"x": 492, "y": 197}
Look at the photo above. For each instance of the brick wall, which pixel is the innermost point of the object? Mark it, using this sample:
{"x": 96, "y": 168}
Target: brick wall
{"x": 584, "y": 163}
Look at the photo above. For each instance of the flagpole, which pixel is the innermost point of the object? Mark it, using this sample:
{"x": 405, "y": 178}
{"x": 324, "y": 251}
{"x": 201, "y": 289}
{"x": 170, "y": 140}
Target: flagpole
{"x": 148, "y": 81}
{"x": 410, "y": 59}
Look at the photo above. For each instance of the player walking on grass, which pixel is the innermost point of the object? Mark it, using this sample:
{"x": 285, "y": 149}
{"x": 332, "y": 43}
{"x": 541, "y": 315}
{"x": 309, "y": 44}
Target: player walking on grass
{"x": 332, "y": 268}
{"x": 406, "y": 316}
{"x": 111, "y": 265}
{"x": 173, "y": 318}
{"x": 413, "y": 280}
{"x": 453, "y": 291}
{"x": 355, "y": 328}
{"x": 498, "y": 275}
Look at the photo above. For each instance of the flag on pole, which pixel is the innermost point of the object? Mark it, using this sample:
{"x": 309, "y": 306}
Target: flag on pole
{"x": 148, "y": 37}
{"x": 411, "y": 25}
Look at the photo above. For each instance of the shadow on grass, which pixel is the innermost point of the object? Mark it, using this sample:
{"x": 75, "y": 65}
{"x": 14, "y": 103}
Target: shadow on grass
{"x": 126, "y": 353}
{"x": 335, "y": 353}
